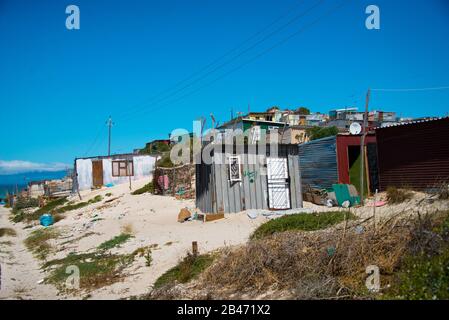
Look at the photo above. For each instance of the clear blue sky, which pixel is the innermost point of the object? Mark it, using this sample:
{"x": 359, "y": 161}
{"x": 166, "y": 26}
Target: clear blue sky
{"x": 57, "y": 87}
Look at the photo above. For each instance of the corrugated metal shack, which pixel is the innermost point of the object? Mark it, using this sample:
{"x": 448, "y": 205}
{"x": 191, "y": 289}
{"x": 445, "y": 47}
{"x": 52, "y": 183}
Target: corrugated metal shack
{"x": 328, "y": 161}
{"x": 248, "y": 177}
{"x": 414, "y": 155}
{"x": 318, "y": 163}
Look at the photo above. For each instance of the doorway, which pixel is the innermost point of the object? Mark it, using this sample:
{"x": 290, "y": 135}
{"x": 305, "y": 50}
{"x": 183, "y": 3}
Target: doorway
{"x": 278, "y": 184}
{"x": 97, "y": 173}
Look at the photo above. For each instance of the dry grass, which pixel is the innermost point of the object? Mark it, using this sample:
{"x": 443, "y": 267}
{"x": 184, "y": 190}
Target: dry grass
{"x": 396, "y": 196}
{"x": 128, "y": 229}
{"x": 321, "y": 264}
{"x": 7, "y": 232}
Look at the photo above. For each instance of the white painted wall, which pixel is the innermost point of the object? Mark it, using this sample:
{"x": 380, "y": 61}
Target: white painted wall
{"x": 143, "y": 168}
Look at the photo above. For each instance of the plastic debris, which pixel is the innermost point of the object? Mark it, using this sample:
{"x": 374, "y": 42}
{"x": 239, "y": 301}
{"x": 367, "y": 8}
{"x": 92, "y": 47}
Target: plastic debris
{"x": 346, "y": 204}
{"x": 46, "y": 220}
{"x": 184, "y": 214}
{"x": 252, "y": 214}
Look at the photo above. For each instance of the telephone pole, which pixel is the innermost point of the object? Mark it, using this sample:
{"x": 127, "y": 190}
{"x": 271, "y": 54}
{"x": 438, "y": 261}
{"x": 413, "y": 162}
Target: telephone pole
{"x": 362, "y": 149}
{"x": 109, "y": 123}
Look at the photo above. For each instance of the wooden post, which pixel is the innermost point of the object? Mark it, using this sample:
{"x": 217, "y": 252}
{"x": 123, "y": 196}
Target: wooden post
{"x": 174, "y": 182}
{"x": 194, "y": 248}
{"x": 362, "y": 150}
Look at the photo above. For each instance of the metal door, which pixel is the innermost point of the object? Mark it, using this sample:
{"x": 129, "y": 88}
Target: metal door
{"x": 278, "y": 184}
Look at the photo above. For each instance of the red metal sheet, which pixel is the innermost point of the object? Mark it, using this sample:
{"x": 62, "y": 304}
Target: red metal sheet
{"x": 414, "y": 155}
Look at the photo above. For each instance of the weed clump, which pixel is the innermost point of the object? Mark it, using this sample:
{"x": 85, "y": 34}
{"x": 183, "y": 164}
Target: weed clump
{"x": 301, "y": 222}
{"x": 187, "y": 269}
{"x": 38, "y": 242}
{"x": 115, "y": 242}
{"x": 148, "y": 188}
{"x": 396, "y": 196}
{"x": 7, "y": 232}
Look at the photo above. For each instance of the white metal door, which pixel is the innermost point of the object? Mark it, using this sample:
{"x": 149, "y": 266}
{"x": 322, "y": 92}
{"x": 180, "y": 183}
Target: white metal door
{"x": 278, "y": 184}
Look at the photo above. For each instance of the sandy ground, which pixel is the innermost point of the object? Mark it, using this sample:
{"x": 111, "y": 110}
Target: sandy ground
{"x": 153, "y": 220}
{"x": 20, "y": 271}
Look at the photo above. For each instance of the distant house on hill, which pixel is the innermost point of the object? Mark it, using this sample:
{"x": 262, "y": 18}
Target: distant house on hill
{"x": 95, "y": 172}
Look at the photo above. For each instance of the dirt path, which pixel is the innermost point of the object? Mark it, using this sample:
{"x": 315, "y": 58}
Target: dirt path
{"x": 20, "y": 272}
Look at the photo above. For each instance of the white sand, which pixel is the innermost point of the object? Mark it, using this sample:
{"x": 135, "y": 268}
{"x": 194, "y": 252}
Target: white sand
{"x": 153, "y": 220}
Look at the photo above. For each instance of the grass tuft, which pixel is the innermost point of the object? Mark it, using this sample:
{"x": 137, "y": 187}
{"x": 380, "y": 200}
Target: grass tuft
{"x": 38, "y": 242}
{"x": 148, "y": 188}
{"x": 301, "y": 222}
{"x": 189, "y": 268}
{"x": 79, "y": 205}
{"x": 396, "y": 196}
{"x": 115, "y": 242}
{"x": 7, "y": 232}
{"x": 97, "y": 270}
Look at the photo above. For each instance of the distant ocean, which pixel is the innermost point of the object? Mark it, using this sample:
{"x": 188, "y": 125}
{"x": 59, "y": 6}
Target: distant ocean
{"x": 9, "y": 182}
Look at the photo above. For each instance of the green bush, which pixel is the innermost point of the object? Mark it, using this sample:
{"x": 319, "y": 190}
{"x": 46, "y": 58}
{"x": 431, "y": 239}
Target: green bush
{"x": 115, "y": 242}
{"x": 50, "y": 206}
{"x": 316, "y": 133}
{"x": 303, "y": 222}
{"x": 148, "y": 188}
{"x": 189, "y": 268}
{"x": 23, "y": 203}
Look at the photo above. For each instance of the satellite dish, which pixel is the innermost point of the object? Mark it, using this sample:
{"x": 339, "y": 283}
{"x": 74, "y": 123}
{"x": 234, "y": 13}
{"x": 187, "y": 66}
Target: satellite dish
{"x": 355, "y": 128}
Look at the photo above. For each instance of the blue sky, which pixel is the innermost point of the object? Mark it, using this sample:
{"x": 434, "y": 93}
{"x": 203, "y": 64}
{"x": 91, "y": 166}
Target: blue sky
{"x": 58, "y": 86}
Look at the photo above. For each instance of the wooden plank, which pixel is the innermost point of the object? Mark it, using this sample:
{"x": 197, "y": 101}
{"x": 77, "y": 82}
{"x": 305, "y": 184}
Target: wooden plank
{"x": 258, "y": 185}
{"x": 292, "y": 184}
{"x": 213, "y": 217}
{"x": 252, "y": 186}
{"x": 298, "y": 184}
{"x": 224, "y": 185}
{"x": 246, "y": 185}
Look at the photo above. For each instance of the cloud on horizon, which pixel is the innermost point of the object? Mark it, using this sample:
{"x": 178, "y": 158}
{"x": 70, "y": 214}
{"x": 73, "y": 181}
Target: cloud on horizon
{"x": 20, "y": 166}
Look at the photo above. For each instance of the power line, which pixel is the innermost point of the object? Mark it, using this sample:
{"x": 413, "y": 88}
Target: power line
{"x": 227, "y": 62}
{"x": 333, "y": 9}
{"x": 255, "y": 35}
{"x": 410, "y": 90}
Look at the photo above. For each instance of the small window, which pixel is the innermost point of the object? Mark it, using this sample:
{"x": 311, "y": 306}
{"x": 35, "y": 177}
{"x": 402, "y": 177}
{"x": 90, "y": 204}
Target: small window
{"x": 235, "y": 173}
{"x": 122, "y": 168}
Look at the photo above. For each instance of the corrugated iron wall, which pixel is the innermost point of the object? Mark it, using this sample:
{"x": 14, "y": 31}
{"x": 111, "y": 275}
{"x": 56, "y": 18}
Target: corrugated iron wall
{"x": 215, "y": 193}
{"x": 414, "y": 155}
{"x": 318, "y": 163}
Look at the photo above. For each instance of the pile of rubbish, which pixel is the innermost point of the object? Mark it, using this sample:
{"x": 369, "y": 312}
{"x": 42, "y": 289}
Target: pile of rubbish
{"x": 340, "y": 195}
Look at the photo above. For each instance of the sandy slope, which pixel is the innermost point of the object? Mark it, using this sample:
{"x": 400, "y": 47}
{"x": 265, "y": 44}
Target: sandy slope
{"x": 153, "y": 220}
{"x": 20, "y": 271}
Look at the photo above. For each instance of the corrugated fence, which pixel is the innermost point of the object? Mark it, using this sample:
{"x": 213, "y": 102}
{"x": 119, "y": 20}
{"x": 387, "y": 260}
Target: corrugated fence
{"x": 318, "y": 163}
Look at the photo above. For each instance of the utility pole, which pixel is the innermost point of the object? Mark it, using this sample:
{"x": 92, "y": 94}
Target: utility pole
{"x": 109, "y": 123}
{"x": 362, "y": 149}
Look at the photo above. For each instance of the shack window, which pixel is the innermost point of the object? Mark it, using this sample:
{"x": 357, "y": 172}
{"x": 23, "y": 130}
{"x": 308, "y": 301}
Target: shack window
{"x": 235, "y": 172}
{"x": 122, "y": 168}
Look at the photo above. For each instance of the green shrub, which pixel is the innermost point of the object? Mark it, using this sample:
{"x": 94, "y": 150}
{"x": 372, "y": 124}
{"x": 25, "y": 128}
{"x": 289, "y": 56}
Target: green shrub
{"x": 79, "y": 205}
{"x": 395, "y": 195}
{"x": 189, "y": 268}
{"x": 148, "y": 188}
{"x": 302, "y": 221}
{"x": 316, "y": 133}
{"x": 115, "y": 242}
{"x": 23, "y": 203}
{"x": 50, "y": 206}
